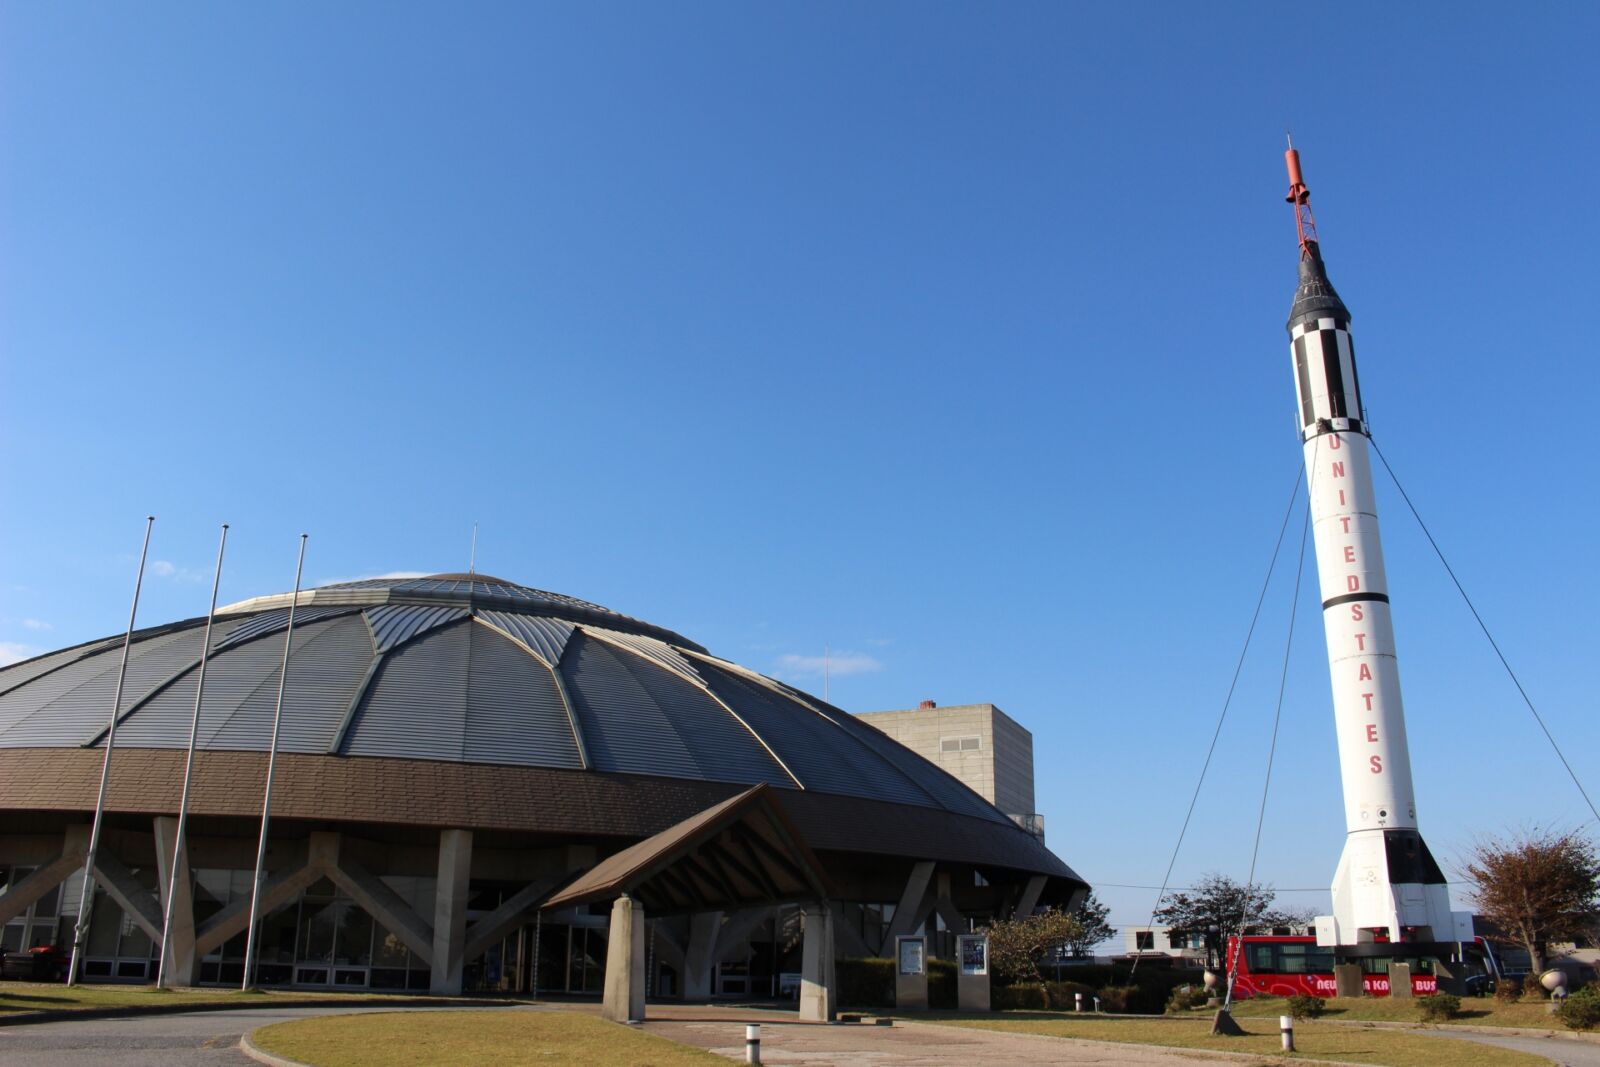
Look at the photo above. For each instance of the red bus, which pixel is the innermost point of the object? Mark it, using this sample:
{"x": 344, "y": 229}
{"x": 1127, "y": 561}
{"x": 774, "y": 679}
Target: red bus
{"x": 1278, "y": 966}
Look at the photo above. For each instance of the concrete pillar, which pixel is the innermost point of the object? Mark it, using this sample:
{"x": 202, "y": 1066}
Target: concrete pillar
{"x": 1400, "y": 980}
{"x": 816, "y": 965}
{"x": 624, "y": 997}
{"x": 700, "y": 958}
{"x": 1348, "y": 981}
{"x": 450, "y": 912}
{"x": 178, "y": 952}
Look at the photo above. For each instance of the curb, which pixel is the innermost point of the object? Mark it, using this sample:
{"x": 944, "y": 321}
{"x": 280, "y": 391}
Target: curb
{"x": 57, "y": 1015}
{"x": 249, "y": 1048}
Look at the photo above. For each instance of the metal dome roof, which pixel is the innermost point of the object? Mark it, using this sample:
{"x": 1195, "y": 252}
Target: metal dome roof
{"x": 468, "y": 669}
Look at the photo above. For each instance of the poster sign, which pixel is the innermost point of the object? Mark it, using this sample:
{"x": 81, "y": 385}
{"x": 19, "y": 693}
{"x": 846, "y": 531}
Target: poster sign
{"x": 974, "y": 952}
{"x": 912, "y": 955}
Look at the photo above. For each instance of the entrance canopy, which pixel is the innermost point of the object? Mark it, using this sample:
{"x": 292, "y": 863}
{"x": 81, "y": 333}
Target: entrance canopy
{"x": 743, "y": 852}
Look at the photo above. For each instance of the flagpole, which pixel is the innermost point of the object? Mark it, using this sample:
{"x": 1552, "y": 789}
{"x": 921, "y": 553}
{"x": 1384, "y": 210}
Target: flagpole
{"x": 272, "y": 759}
{"x": 86, "y": 901}
{"x": 188, "y": 770}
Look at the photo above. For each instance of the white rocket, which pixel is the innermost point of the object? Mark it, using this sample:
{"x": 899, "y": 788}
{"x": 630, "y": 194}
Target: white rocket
{"x": 1388, "y": 887}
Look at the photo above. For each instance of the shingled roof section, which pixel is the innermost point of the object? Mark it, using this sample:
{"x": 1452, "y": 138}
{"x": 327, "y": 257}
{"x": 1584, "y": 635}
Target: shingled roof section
{"x": 742, "y": 852}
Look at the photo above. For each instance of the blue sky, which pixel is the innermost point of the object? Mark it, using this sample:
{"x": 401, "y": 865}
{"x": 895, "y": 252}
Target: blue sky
{"x": 946, "y": 336}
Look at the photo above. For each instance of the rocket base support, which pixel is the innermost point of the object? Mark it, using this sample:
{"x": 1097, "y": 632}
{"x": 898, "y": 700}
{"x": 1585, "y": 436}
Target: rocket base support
{"x": 1347, "y": 980}
{"x": 1224, "y": 1026}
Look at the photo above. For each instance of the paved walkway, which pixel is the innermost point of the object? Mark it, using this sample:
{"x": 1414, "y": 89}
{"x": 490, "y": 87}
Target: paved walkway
{"x": 1564, "y": 1051}
{"x": 197, "y": 1039}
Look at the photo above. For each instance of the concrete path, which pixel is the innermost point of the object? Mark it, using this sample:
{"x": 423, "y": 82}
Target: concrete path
{"x": 1564, "y": 1051}
{"x": 198, "y": 1039}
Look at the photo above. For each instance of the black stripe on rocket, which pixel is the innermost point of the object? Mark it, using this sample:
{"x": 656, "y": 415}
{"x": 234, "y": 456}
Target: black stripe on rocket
{"x": 1355, "y": 378}
{"x": 1302, "y": 374}
{"x": 1329, "y": 340}
{"x": 1351, "y": 598}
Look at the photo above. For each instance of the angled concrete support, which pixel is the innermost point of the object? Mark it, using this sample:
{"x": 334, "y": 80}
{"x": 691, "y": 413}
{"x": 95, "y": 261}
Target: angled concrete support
{"x": 450, "y": 912}
{"x": 516, "y": 911}
{"x": 816, "y": 966}
{"x": 48, "y": 875}
{"x": 178, "y": 953}
{"x": 666, "y": 948}
{"x": 1030, "y": 897}
{"x": 232, "y": 920}
{"x": 700, "y": 957}
{"x": 136, "y": 902}
{"x": 386, "y": 906}
{"x": 733, "y": 940}
{"x": 624, "y": 996}
{"x": 909, "y": 913}
{"x": 849, "y": 941}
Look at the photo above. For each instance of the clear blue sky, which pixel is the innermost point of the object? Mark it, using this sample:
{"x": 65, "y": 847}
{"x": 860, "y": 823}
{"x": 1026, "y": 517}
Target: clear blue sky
{"x": 950, "y": 337}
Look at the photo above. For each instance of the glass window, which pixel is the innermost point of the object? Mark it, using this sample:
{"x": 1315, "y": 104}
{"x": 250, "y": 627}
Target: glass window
{"x": 105, "y": 927}
{"x": 388, "y": 978}
{"x": 353, "y": 944}
{"x": 277, "y": 938}
{"x": 387, "y": 948}
{"x": 317, "y": 922}
{"x": 1262, "y": 959}
{"x": 45, "y": 906}
{"x": 1144, "y": 940}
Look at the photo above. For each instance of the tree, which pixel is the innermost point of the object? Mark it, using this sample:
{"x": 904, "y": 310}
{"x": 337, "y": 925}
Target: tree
{"x": 1094, "y": 918}
{"x": 1018, "y": 946}
{"x": 1537, "y": 886}
{"x": 1218, "y": 906}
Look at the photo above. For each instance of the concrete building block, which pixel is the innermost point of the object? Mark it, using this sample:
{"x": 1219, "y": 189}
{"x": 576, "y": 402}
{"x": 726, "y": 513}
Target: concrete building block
{"x": 178, "y": 955}
{"x": 450, "y": 912}
{"x": 816, "y": 965}
{"x": 625, "y": 967}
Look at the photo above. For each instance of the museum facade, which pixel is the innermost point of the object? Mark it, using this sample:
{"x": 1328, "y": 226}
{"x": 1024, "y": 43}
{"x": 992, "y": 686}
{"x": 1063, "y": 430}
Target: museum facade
{"x": 471, "y": 774}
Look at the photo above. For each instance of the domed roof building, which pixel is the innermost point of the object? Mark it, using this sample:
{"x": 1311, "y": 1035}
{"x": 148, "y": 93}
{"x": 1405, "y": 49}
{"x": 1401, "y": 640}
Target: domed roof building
{"x": 466, "y": 767}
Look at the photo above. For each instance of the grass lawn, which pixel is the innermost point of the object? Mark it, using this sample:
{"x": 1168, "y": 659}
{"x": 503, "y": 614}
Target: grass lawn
{"x": 1478, "y": 1011}
{"x": 54, "y": 996}
{"x": 505, "y": 1039}
{"x": 1396, "y": 1048}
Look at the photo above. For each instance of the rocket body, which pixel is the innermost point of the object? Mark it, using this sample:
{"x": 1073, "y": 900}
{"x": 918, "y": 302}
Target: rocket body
{"x": 1388, "y": 886}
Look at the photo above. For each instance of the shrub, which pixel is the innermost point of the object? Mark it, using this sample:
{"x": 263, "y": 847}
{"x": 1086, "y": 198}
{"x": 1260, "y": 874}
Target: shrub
{"x": 1019, "y": 998}
{"x": 1441, "y": 1007}
{"x": 1302, "y": 1006}
{"x": 1061, "y": 996}
{"x": 942, "y": 993}
{"x": 1186, "y": 997}
{"x": 865, "y": 983}
{"x": 1581, "y": 1010}
{"x": 1507, "y": 990}
{"x": 1121, "y": 999}
{"x": 869, "y": 983}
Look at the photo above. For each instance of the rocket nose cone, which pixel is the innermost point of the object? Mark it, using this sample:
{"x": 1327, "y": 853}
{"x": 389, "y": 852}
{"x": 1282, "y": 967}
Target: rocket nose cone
{"x": 1315, "y": 297}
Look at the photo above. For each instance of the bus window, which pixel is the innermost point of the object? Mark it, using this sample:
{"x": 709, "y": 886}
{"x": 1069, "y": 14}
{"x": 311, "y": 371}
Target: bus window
{"x": 1262, "y": 959}
{"x": 1300, "y": 958}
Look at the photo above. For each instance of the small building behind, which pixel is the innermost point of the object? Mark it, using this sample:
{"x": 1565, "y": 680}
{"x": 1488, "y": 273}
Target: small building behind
{"x": 977, "y": 743}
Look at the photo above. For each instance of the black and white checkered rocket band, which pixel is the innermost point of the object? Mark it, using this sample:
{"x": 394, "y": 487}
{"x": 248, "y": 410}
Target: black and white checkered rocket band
{"x": 1325, "y": 377}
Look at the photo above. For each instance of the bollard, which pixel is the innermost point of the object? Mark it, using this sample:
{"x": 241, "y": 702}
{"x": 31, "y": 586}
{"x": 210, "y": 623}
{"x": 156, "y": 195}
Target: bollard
{"x": 1078, "y": 999}
{"x": 1286, "y": 1028}
{"x": 1097, "y": 1005}
{"x": 752, "y": 1043}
